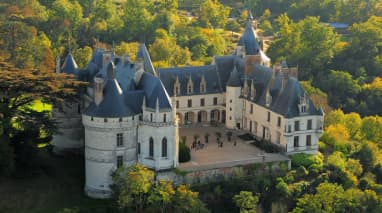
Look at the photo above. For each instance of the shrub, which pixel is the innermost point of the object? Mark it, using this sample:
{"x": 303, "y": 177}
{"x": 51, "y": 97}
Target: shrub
{"x": 184, "y": 153}
{"x": 306, "y": 160}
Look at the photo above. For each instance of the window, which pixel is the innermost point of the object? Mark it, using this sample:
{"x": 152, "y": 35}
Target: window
{"x": 230, "y": 118}
{"x": 278, "y": 139}
{"x": 140, "y": 117}
{"x": 120, "y": 119}
{"x": 151, "y": 117}
{"x": 189, "y": 89}
{"x": 202, "y": 102}
{"x": 230, "y": 109}
{"x": 164, "y": 118}
{"x": 215, "y": 101}
{"x": 309, "y": 125}
{"x": 202, "y": 88}
{"x": 105, "y": 120}
{"x": 164, "y": 147}
{"x": 176, "y": 90}
{"x": 139, "y": 148}
{"x": 230, "y": 101}
{"x": 268, "y": 116}
{"x": 151, "y": 147}
{"x": 119, "y": 139}
{"x": 297, "y": 126}
{"x": 177, "y": 104}
{"x": 289, "y": 128}
{"x": 278, "y": 121}
{"x": 92, "y": 119}
{"x": 189, "y": 103}
{"x": 295, "y": 141}
{"x": 308, "y": 140}
{"x": 255, "y": 128}
{"x": 119, "y": 161}
{"x": 251, "y": 110}
{"x": 79, "y": 109}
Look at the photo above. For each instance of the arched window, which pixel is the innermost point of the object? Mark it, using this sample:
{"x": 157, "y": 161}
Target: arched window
{"x": 164, "y": 147}
{"x": 151, "y": 147}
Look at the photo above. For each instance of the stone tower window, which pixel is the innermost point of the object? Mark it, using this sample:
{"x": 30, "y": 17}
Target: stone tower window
{"x": 151, "y": 147}
{"x": 119, "y": 161}
{"x": 119, "y": 139}
{"x": 164, "y": 118}
{"x": 164, "y": 147}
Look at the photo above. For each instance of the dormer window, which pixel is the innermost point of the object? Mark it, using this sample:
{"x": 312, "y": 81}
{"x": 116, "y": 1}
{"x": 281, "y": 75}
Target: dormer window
{"x": 176, "y": 87}
{"x": 303, "y": 105}
{"x": 203, "y": 85}
{"x": 189, "y": 89}
{"x": 190, "y": 86}
{"x": 268, "y": 99}
{"x": 253, "y": 90}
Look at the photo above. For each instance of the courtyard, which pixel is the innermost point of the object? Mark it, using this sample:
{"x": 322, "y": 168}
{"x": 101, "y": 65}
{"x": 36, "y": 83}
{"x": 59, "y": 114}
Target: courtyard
{"x": 210, "y": 155}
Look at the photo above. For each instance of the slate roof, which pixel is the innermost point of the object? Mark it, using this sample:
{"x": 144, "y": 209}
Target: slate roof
{"x": 248, "y": 40}
{"x": 147, "y": 64}
{"x": 211, "y": 76}
{"x": 284, "y": 100}
{"x": 234, "y": 79}
{"x": 154, "y": 91}
{"x": 69, "y": 66}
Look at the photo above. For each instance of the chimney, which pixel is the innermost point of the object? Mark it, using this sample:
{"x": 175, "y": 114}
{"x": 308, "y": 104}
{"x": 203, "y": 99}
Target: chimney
{"x": 98, "y": 90}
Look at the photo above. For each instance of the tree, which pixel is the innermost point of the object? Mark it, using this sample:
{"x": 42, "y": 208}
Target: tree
{"x": 186, "y": 200}
{"x": 246, "y": 201}
{"x": 371, "y": 128}
{"x": 132, "y": 186}
{"x": 184, "y": 153}
{"x": 161, "y": 195}
{"x": 371, "y": 94}
{"x": 213, "y": 14}
{"x": 366, "y": 156}
{"x": 21, "y": 124}
{"x": 138, "y": 19}
{"x": 83, "y": 56}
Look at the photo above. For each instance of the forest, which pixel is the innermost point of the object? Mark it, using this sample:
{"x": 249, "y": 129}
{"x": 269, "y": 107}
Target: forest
{"x": 341, "y": 68}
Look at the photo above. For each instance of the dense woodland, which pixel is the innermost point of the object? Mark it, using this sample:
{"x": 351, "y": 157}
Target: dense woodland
{"x": 340, "y": 68}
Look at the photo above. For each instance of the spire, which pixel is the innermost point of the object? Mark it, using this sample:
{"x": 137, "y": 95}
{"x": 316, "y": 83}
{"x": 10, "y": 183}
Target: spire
{"x": 145, "y": 56}
{"x": 70, "y": 65}
{"x": 234, "y": 79}
{"x": 248, "y": 39}
{"x": 249, "y": 15}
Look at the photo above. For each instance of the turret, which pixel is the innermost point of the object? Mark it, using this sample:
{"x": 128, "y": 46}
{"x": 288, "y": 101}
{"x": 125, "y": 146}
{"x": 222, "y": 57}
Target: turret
{"x": 234, "y": 103}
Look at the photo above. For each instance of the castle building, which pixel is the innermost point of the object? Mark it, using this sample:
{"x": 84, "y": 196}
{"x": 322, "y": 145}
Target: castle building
{"x": 131, "y": 111}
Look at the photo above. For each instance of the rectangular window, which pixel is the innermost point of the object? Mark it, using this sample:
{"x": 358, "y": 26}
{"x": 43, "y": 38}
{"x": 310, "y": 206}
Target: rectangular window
{"x": 202, "y": 102}
{"x": 119, "y": 139}
{"x": 177, "y": 104}
{"x": 151, "y": 148}
{"x": 164, "y": 118}
{"x": 296, "y": 141}
{"x": 279, "y": 121}
{"x": 309, "y": 125}
{"x": 215, "y": 101}
{"x": 189, "y": 103}
{"x": 289, "y": 128}
{"x": 119, "y": 161}
{"x": 255, "y": 128}
{"x": 308, "y": 140}
{"x": 278, "y": 139}
{"x": 269, "y": 116}
{"x": 139, "y": 148}
{"x": 164, "y": 147}
{"x": 297, "y": 126}
{"x": 251, "y": 110}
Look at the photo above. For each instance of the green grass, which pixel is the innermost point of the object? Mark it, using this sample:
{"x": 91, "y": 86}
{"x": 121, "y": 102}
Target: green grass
{"x": 56, "y": 185}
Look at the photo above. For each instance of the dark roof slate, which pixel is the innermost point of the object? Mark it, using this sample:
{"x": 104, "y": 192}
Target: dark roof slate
{"x": 154, "y": 90}
{"x": 249, "y": 41}
{"x": 234, "y": 79}
{"x": 70, "y": 65}
{"x": 147, "y": 64}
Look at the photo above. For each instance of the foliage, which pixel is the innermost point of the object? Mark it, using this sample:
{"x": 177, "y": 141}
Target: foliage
{"x": 306, "y": 160}
{"x": 184, "y": 153}
{"x": 6, "y": 157}
{"x": 246, "y": 201}
{"x": 213, "y": 14}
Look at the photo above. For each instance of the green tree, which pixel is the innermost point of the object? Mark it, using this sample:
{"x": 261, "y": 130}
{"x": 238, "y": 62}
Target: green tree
{"x": 83, "y": 56}
{"x": 132, "y": 186}
{"x": 186, "y": 200}
{"x": 213, "y": 14}
{"x": 366, "y": 156}
{"x": 371, "y": 128}
{"x": 138, "y": 19}
{"x": 246, "y": 201}
{"x": 161, "y": 195}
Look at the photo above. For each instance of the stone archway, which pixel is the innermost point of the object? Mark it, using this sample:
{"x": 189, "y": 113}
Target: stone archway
{"x": 215, "y": 115}
{"x": 202, "y": 116}
{"x": 189, "y": 117}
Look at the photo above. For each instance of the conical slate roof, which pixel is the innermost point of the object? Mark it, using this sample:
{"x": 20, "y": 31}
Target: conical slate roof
{"x": 70, "y": 65}
{"x": 248, "y": 40}
{"x": 112, "y": 104}
{"x": 234, "y": 79}
{"x": 147, "y": 64}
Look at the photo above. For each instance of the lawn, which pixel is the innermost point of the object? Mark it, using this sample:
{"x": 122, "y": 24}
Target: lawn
{"x": 57, "y": 184}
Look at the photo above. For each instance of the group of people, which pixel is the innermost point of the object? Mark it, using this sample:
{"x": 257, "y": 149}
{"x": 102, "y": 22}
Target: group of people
{"x": 197, "y": 145}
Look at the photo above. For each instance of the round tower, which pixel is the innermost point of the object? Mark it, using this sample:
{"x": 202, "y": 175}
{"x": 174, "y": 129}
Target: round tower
{"x": 110, "y": 135}
{"x": 68, "y": 117}
{"x": 234, "y": 104}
